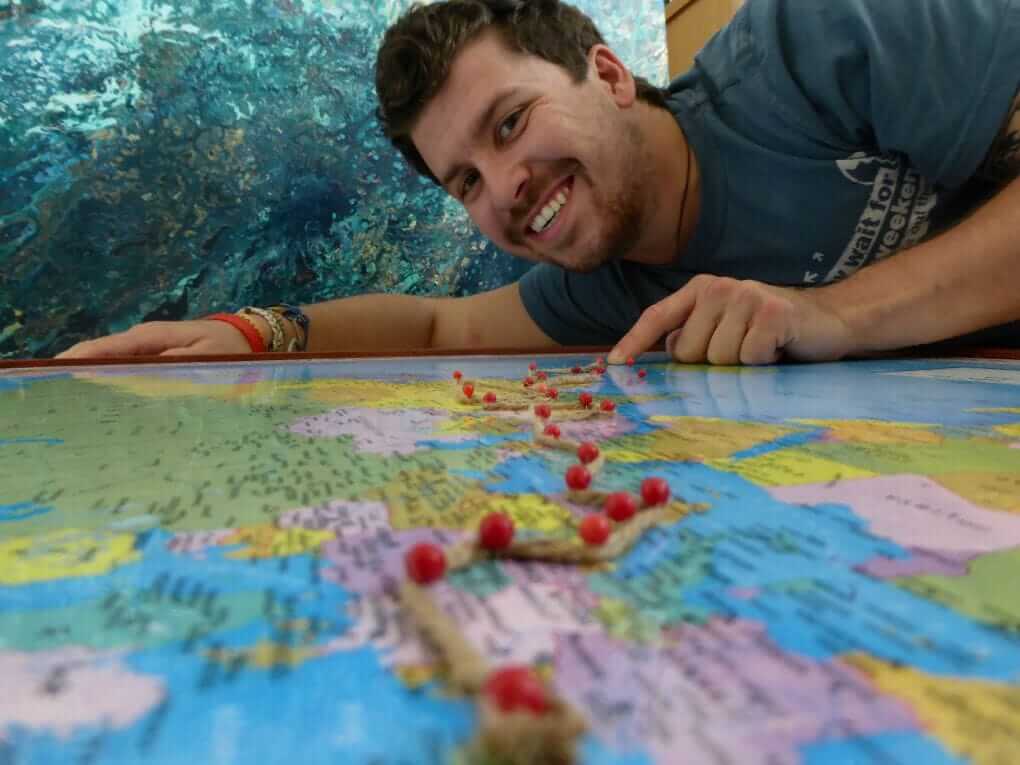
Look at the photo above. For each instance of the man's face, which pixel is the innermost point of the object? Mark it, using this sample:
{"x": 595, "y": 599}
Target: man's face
{"x": 548, "y": 169}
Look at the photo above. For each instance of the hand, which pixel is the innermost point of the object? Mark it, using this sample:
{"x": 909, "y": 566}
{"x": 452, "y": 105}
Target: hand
{"x": 726, "y": 321}
{"x": 164, "y": 338}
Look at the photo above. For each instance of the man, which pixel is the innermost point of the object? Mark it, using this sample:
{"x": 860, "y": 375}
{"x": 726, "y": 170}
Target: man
{"x": 805, "y": 191}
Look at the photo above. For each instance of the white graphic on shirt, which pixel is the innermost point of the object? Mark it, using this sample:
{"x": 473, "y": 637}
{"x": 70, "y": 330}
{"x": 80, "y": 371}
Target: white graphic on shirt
{"x": 897, "y": 215}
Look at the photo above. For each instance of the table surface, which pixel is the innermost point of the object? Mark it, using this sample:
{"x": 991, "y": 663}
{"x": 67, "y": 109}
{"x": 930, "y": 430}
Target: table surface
{"x": 198, "y": 560}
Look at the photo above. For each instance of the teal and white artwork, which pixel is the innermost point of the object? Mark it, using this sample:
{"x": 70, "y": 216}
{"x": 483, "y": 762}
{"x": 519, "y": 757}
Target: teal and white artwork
{"x": 163, "y": 159}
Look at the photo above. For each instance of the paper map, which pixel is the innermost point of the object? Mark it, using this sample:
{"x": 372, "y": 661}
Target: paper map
{"x": 197, "y": 562}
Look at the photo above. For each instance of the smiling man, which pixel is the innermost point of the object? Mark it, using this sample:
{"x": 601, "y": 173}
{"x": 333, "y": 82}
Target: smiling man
{"x": 832, "y": 177}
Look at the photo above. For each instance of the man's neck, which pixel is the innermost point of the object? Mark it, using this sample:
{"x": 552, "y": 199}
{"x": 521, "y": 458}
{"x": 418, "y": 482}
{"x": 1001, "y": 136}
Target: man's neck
{"x": 673, "y": 189}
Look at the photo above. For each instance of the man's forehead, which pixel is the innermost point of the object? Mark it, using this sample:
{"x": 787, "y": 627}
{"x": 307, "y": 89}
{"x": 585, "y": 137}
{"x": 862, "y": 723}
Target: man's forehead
{"x": 480, "y": 79}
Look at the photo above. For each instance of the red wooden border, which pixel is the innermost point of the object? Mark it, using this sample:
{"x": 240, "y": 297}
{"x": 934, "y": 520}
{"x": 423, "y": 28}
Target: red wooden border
{"x": 941, "y": 352}
{"x": 252, "y": 357}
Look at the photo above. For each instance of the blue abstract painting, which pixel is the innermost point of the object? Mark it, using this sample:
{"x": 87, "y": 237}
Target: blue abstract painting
{"x": 164, "y": 159}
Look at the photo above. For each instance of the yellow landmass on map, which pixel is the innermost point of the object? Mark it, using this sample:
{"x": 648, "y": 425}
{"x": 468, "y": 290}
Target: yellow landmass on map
{"x": 625, "y": 622}
{"x": 1012, "y": 430}
{"x": 63, "y": 554}
{"x": 273, "y": 542}
{"x": 379, "y": 394}
{"x": 461, "y": 504}
{"x": 162, "y": 388}
{"x": 415, "y": 676}
{"x": 996, "y": 491}
{"x": 264, "y": 654}
{"x": 975, "y": 719}
{"x": 692, "y": 438}
{"x": 879, "y": 432}
{"x": 488, "y": 425}
{"x": 790, "y": 467}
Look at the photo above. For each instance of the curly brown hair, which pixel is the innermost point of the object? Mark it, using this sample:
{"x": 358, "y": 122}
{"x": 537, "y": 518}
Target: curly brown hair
{"x": 418, "y": 49}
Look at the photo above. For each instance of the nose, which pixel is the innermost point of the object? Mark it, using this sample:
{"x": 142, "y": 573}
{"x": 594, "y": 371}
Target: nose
{"x": 509, "y": 185}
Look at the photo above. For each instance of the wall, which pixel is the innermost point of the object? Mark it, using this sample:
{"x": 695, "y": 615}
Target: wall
{"x": 689, "y": 24}
{"x": 163, "y": 159}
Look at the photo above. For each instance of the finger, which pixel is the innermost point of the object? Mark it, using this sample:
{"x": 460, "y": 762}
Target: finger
{"x": 656, "y": 321}
{"x": 768, "y": 332}
{"x": 186, "y": 350}
{"x": 142, "y": 340}
{"x": 689, "y": 345}
{"x": 727, "y": 341}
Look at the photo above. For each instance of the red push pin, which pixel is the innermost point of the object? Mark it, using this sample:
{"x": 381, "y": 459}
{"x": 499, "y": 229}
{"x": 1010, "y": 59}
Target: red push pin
{"x": 620, "y": 506}
{"x": 578, "y": 477}
{"x": 489, "y": 398}
{"x": 595, "y": 529}
{"x": 585, "y": 400}
{"x": 469, "y": 390}
{"x": 496, "y": 531}
{"x": 457, "y": 375}
{"x": 529, "y": 381}
{"x": 607, "y": 406}
{"x": 425, "y": 563}
{"x": 552, "y": 430}
{"x": 543, "y": 410}
{"x": 642, "y": 373}
{"x": 575, "y": 370}
{"x": 552, "y": 393}
{"x": 532, "y": 366}
{"x": 541, "y": 376}
{"x": 600, "y": 362}
{"x": 587, "y": 452}
{"x": 630, "y": 361}
{"x": 516, "y": 689}
{"x": 655, "y": 491}
{"x": 600, "y": 370}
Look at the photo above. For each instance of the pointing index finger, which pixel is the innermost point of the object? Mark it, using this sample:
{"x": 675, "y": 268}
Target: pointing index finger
{"x": 658, "y": 320}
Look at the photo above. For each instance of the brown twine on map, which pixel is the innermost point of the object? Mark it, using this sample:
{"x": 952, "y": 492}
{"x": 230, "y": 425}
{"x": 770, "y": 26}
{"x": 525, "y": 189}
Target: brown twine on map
{"x": 521, "y": 738}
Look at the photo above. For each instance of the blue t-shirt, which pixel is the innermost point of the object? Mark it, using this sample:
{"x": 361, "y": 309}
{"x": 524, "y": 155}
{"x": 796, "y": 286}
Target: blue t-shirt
{"x": 829, "y": 134}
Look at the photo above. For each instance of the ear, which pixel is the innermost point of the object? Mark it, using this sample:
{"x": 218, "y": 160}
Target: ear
{"x": 613, "y": 75}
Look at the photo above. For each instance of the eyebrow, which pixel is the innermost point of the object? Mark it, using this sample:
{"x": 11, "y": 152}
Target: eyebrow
{"x": 479, "y": 127}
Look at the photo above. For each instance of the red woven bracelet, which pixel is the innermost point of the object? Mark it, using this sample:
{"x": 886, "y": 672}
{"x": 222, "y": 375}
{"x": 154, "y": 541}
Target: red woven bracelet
{"x": 255, "y": 340}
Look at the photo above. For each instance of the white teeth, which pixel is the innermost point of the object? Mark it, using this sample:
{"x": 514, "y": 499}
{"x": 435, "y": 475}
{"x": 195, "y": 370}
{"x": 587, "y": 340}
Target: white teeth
{"x": 548, "y": 213}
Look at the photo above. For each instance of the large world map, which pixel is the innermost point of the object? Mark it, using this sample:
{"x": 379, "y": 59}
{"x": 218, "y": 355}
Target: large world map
{"x": 198, "y": 562}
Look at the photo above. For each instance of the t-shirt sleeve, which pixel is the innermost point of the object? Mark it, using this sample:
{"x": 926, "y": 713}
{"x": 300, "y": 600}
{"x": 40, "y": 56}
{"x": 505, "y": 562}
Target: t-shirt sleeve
{"x": 579, "y": 309}
{"x": 931, "y": 79}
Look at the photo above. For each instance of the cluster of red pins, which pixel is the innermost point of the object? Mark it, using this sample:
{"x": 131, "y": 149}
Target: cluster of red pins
{"x": 620, "y": 506}
{"x": 510, "y": 689}
{"x": 595, "y": 529}
{"x": 518, "y": 688}
{"x": 425, "y": 562}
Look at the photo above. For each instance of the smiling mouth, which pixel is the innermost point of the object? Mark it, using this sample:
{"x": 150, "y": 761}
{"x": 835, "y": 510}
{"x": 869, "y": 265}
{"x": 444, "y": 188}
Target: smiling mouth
{"x": 550, "y": 212}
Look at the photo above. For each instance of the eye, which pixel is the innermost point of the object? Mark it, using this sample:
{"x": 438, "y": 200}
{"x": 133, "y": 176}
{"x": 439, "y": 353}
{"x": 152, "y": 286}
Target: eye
{"x": 506, "y": 128}
{"x": 470, "y": 178}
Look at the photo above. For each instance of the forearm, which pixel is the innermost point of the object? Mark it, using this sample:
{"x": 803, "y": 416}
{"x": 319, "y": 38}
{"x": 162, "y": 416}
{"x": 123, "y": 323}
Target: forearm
{"x": 958, "y": 282}
{"x": 371, "y": 322}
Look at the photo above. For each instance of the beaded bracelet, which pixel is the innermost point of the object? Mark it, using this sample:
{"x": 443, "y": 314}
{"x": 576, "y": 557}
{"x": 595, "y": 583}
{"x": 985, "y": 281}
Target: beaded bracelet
{"x": 301, "y": 321}
{"x": 275, "y": 325}
{"x": 255, "y": 340}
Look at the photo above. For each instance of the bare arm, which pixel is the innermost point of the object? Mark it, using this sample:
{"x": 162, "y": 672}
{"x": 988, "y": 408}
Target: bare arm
{"x": 959, "y": 282}
{"x": 956, "y": 283}
{"x": 495, "y": 319}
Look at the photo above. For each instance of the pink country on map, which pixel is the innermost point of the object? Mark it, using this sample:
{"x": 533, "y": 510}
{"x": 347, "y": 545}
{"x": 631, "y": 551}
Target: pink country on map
{"x": 381, "y": 431}
{"x": 56, "y": 691}
{"x": 719, "y": 692}
{"x": 915, "y": 512}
